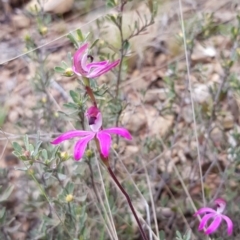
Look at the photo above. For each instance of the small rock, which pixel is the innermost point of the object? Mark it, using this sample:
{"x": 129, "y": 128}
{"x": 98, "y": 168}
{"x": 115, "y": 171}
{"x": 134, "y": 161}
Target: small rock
{"x": 187, "y": 114}
{"x": 228, "y": 122}
{"x": 28, "y": 113}
{"x": 215, "y": 78}
{"x": 218, "y": 137}
{"x": 164, "y": 211}
{"x": 53, "y": 6}
{"x": 13, "y": 116}
{"x": 13, "y": 101}
{"x": 201, "y": 93}
{"x": 161, "y": 60}
{"x": 151, "y": 96}
{"x": 161, "y": 125}
{"x": 134, "y": 120}
{"x": 203, "y": 55}
{"x": 20, "y": 21}
{"x": 58, "y": 6}
{"x": 130, "y": 150}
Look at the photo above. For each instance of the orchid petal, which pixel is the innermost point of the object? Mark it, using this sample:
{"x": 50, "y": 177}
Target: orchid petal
{"x": 84, "y": 62}
{"x": 81, "y": 145}
{"x": 94, "y": 117}
{"x": 98, "y": 123}
{"x": 204, "y": 210}
{"x": 107, "y": 68}
{"x": 214, "y": 225}
{"x": 69, "y": 135}
{"x": 96, "y": 64}
{"x": 104, "y": 142}
{"x": 77, "y": 62}
{"x": 229, "y": 224}
{"x": 96, "y": 71}
{"x": 204, "y": 220}
{"x": 119, "y": 131}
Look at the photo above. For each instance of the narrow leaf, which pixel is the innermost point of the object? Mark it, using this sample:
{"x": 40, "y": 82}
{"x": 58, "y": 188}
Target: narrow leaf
{"x": 7, "y": 193}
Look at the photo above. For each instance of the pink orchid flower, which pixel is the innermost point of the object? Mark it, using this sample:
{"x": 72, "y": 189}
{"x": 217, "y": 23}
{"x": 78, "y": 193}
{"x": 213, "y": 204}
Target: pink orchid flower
{"x": 90, "y": 70}
{"x": 94, "y": 117}
{"x": 217, "y": 217}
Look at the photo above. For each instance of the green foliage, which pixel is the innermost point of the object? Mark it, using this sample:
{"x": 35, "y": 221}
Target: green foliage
{"x": 186, "y": 236}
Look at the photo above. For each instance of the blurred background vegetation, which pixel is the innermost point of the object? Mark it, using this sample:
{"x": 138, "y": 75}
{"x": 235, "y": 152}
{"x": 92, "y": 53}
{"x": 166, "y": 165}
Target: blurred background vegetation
{"x": 177, "y": 90}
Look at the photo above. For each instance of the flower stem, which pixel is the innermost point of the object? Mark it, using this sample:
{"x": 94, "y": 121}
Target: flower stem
{"x": 91, "y": 95}
{"x": 129, "y": 202}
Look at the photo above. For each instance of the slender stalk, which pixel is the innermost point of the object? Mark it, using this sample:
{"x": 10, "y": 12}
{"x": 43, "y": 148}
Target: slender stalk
{"x": 128, "y": 200}
{"x": 91, "y": 95}
{"x": 119, "y": 25}
{"x": 192, "y": 104}
{"x": 106, "y": 160}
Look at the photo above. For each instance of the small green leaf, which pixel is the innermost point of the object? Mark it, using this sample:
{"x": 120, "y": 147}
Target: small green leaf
{"x": 82, "y": 198}
{"x": 17, "y": 154}
{"x": 70, "y": 105}
{"x": 50, "y": 221}
{"x": 21, "y": 169}
{"x": 45, "y": 154}
{"x": 72, "y": 39}
{"x": 17, "y": 147}
{"x": 31, "y": 148}
{"x": 80, "y": 35}
{"x": 64, "y": 64}
{"x": 26, "y": 142}
{"x": 126, "y": 45}
{"x": 113, "y": 19}
{"x": 61, "y": 176}
{"x": 6, "y": 194}
{"x": 69, "y": 58}
{"x": 70, "y": 187}
{"x": 54, "y": 152}
{"x": 188, "y": 235}
{"x": 37, "y": 148}
{"x": 2, "y": 212}
{"x": 87, "y": 36}
{"x": 47, "y": 175}
{"x": 136, "y": 25}
{"x": 74, "y": 96}
{"x": 162, "y": 235}
{"x": 94, "y": 43}
{"x": 3, "y": 115}
{"x": 59, "y": 69}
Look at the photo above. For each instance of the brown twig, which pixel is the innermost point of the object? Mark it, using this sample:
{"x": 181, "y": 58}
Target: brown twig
{"x": 129, "y": 202}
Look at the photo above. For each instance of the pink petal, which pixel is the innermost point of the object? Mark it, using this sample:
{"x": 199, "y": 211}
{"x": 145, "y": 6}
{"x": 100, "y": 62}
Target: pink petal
{"x": 205, "y": 220}
{"x": 205, "y": 210}
{"x": 96, "y": 71}
{"x": 214, "y": 225}
{"x": 96, "y": 64}
{"x": 77, "y": 64}
{"x": 69, "y": 135}
{"x": 81, "y": 145}
{"x": 94, "y": 117}
{"x": 120, "y": 131}
{"x": 229, "y": 224}
{"x": 104, "y": 70}
{"x": 105, "y": 142}
{"x": 84, "y": 62}
{"x": 98, "y": 123}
